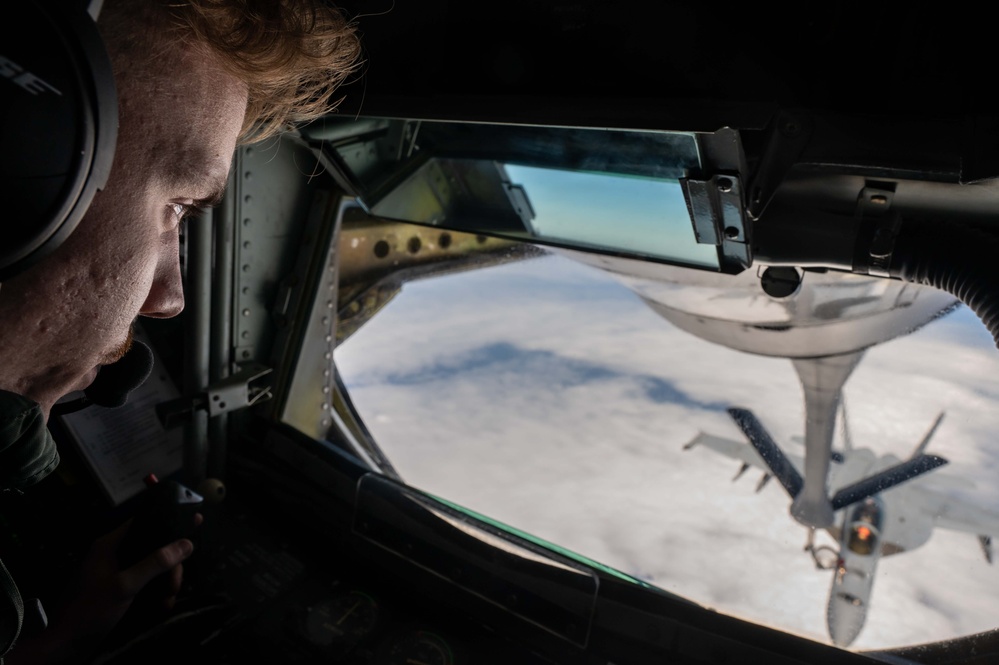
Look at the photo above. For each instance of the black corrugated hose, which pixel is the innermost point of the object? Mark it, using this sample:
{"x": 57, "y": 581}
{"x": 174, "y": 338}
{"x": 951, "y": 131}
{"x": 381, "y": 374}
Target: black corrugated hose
{"x": 960, "y": 259}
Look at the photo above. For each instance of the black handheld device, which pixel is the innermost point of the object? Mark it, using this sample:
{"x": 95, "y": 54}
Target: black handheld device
{"x": 166, "y": 514}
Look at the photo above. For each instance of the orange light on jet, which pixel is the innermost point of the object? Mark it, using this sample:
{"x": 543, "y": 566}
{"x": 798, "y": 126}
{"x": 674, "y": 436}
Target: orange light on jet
{"x": 863, "y": 532}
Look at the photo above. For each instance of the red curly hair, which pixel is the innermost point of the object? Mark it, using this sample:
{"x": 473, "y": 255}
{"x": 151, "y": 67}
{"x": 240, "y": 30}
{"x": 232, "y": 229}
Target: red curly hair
{"x": 292, "y": 54}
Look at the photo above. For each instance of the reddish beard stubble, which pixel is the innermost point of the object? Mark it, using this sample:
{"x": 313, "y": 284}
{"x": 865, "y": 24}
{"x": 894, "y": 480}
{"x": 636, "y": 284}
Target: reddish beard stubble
{"x": 117, "y": 353}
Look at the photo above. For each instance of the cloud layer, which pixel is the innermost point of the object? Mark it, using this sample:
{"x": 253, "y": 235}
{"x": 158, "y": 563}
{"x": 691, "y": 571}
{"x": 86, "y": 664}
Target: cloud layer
{"x": 548, "y": 396}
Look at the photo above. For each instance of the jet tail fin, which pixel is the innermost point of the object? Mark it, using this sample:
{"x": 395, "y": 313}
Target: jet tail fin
{"x": 921, "y": 448}
{"x": 845, "y": 424}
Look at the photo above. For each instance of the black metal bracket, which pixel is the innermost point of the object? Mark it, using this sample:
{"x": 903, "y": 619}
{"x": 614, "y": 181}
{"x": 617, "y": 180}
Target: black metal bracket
{"x": 880, "y": 224}
{"x": 716, "y": 209}
{"x": 243, "y": 389}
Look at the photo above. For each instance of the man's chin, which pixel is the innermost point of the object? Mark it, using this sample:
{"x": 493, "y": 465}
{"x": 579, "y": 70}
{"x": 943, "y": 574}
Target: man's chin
{"x": 119, "y": 351}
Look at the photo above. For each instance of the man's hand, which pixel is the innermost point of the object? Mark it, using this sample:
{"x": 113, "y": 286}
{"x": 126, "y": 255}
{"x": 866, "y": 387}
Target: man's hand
{"x": 99, "y": 598}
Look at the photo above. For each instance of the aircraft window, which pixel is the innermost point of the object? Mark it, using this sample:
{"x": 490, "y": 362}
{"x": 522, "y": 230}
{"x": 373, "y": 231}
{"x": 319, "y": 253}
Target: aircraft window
{"x": 606, "y": 189}
{"x": 868, "y": 512}
{"x": 582, "y": 406}
{"x": 863, "y": 539}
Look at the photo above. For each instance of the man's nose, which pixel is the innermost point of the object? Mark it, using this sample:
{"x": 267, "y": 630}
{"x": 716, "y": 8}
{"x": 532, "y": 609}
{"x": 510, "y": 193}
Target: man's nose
{"x": 166, "y": 295}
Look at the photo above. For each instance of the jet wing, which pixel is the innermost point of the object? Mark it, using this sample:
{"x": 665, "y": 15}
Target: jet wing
{"x": 744, "y": 452}
{"x": 736, "y": 449}
{"x": 957, "y": 514}
{"x": 916, "y": 509}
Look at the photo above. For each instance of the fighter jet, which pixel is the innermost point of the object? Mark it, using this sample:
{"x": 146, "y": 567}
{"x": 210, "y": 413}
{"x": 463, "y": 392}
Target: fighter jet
{"x": 888, "y": 521}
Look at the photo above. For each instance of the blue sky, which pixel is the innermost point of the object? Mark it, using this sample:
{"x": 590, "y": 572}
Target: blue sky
{"x": 647, "y": 216}
{"x": 547, "y": 395}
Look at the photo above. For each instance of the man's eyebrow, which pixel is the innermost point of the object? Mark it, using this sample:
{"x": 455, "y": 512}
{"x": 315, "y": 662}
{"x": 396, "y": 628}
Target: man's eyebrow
{"x": 213, "y": 199}
{"x": 212, "y": 180}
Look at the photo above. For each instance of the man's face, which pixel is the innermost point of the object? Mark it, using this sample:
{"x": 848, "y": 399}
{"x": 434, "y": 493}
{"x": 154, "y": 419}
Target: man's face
{"x": 72, "y": 312}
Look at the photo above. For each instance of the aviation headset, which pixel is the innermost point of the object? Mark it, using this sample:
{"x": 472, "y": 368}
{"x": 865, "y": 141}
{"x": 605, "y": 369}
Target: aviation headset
{"x": 58, "y": 125}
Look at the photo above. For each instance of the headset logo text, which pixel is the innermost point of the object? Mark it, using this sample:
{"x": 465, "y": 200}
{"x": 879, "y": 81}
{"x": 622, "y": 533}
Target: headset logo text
{"x": 17, "y": 74}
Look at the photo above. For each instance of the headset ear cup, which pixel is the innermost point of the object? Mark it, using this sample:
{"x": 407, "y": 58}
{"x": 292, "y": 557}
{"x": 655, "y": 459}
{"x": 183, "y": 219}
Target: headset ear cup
{"x": 58, "y": 126}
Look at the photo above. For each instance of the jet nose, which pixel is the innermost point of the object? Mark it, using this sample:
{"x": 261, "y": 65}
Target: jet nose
{"x": 845, "y": 617}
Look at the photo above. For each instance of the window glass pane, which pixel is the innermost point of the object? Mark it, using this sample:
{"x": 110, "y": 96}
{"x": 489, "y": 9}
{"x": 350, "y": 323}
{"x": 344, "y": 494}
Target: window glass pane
{"x": 548, "y": 395}
{"x": 633, "y": 214}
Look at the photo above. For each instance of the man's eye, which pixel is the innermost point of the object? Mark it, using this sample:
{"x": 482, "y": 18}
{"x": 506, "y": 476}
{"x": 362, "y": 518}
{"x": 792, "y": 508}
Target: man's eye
{"x": 182, "y": 211}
